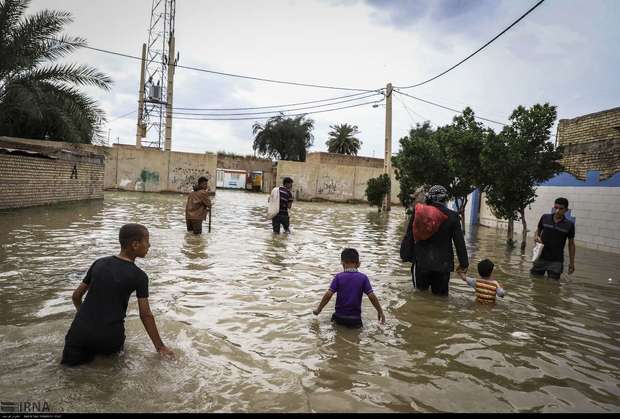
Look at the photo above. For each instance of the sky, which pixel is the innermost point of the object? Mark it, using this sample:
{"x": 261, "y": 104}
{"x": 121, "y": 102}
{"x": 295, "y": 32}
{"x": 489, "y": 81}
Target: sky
{"x": 565, "y": 53}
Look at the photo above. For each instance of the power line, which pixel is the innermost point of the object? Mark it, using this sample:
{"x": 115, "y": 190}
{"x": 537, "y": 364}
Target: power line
{"x": 277, "y": 110}
{"x": 268, "y": 117}
{"x": 475, "y": 52}
{"x": 409, "y": 111}
{"x": 448, "y": 108}
{"x": 203, "y": 70}
{"x": 122, "y": 116}
{"x": 273, "y": 106}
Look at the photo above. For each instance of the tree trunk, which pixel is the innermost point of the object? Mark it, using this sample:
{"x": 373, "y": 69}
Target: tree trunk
{"x": 524, "y": 223}
{"x": 461, "y": 211}
{"x": 511, "y": 230}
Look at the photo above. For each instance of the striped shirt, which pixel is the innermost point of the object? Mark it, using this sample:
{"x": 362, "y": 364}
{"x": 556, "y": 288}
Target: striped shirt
{"x": 486, "y": 289}
{"x": 286, "y": 196}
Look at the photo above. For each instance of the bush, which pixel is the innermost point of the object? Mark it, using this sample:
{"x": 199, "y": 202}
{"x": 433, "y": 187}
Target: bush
{"x": 377, "y": 189}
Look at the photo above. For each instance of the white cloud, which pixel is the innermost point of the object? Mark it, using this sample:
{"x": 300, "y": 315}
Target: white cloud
{"x": 564, "y": 52}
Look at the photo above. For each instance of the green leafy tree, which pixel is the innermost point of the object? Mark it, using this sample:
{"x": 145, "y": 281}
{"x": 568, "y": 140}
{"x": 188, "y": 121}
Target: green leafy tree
{"x": 343, "y": 140}
{"x": 377, "y": 189}
{"x": 517, "y": 160}
{"x": 284, "y": 138}
{"x": 39, "y": 98}
{"x": 447, "y": 156}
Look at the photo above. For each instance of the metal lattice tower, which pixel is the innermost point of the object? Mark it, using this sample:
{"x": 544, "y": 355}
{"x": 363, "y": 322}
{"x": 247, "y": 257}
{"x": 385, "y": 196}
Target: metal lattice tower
{"x": 155, "y": 104}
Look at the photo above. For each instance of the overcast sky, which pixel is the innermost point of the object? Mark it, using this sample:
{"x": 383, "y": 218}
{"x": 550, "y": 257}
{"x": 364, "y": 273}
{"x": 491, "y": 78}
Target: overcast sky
{"x": 564, "y": 53}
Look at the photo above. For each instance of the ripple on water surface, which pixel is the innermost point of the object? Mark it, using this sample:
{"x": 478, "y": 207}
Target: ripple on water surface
{"x": 236, "y": 306}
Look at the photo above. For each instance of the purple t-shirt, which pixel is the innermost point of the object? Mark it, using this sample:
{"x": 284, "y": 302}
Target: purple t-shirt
{"x": 349, "y": 287}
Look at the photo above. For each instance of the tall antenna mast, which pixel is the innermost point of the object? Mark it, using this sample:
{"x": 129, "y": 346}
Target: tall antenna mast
{"x": 157, "y": 81}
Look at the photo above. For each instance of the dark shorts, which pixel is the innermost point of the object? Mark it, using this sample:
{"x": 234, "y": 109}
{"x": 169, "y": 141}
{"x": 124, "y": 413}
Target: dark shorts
{"x": 280, "y": 219}
{"x": 195, "y": 226}
{"x": 553, "y": 269}
{"x": 438, "y": 281}
{"x": 82, "y": 344}
{"x": 355, "y": 322}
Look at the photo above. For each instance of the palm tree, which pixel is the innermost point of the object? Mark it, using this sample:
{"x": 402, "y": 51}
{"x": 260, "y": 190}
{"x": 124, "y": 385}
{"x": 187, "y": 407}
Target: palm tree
{"x": 342, "y": 139}
{"x": 39, "y": 98}
{"x": 284, "y": 138}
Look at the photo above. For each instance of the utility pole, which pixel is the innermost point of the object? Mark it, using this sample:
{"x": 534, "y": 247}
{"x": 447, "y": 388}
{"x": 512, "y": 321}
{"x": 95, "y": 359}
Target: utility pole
{"x": 387, "y": 161}
{"x": 140, "y": 131}
{"x": 171, "y": 67}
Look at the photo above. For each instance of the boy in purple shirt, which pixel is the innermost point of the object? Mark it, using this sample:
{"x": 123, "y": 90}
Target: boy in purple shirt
{"x": 349, "y": 285}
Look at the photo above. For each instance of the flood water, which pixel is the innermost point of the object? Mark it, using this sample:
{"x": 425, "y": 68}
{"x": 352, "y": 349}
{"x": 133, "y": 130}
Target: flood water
{"x": 236, "y": 307}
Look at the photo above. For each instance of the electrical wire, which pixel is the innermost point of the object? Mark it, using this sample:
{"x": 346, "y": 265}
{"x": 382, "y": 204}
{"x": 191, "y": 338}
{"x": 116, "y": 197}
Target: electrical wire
{"x": 448, "y": 108}
{"x": 122, "y": 116}
{"x": 277, "y": 110}
{"x": 273, "y": 106}
{"x": 288, "y": 115}
{"x": 203, "y": 70}
{"x": 475, "y": 52}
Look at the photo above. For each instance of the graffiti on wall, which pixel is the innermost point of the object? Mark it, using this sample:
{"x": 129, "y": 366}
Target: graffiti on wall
{"x": 146, "y": 178}
{"x": 327, "y": 187}
{"x": 185, "y": 178}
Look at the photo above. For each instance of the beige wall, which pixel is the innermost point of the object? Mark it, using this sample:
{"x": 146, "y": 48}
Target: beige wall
{"x": 333, "y": 178}
{"x": 27, "y": 181}
{"x": 140, "y": 169}
{"x": 591, "y": 142}
{"x": 147, "y": 170}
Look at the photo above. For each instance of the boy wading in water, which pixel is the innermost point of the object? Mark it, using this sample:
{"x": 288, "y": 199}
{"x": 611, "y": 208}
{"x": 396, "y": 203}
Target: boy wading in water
{"x": 486, "y": 287}
{"x": 350, "y": 285}
{"x": 198, "y": 206}
{"x": 99, "y": 325}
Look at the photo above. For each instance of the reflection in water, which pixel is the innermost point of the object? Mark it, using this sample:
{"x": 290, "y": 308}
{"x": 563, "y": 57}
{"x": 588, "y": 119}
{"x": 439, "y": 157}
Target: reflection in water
{"x": 236, "y": 306}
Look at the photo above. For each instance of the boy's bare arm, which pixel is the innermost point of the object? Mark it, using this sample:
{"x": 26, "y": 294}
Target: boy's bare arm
{"x": 324, "y": 301}
{"x": 148, "y": 320}
{"x": 78, "y": 294}
{"x": 375, "y": 302}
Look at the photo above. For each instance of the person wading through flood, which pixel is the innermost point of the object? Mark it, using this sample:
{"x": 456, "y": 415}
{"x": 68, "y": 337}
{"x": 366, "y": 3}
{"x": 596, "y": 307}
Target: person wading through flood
{"x": 281, "y": 200}
{"x": 435, "y": 228}
{"x": 407, "y": 249}
{"x": 198, "y": 206}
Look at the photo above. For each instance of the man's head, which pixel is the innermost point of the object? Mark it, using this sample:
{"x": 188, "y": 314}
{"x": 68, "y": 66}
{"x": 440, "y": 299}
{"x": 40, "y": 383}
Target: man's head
{"x": 203, "y": 182}
{"x": 437, "y": 194}
{"x": 350, "y": 258}
{"x": 134, "y": 239}
{"x": 560, "y": 206}
{"x": 417, "y": 197}
{"x": 287, "y": 182}
{"x": 485, "y": 268}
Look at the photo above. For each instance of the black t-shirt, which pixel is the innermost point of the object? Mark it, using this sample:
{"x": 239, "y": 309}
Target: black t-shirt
{"x": 554, "y": 237}
{"x": 111, "y": 282}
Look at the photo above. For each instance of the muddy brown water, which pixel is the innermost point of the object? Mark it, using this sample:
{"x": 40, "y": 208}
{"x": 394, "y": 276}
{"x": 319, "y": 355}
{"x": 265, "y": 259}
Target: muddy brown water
{"x": 236, "y": 306}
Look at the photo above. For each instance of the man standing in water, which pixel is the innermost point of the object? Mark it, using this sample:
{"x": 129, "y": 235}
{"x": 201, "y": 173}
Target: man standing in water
{"x": 286, "y": 202}
{"x": 434, "y": 257}
{"x": 553, "y": 230}
{"x": 198, "y": 206}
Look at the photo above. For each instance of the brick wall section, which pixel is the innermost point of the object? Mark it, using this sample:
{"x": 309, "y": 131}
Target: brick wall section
{"x": 591, "y": 142}
{"x": 344, "y": 160}
{"x": 30, "y": 181}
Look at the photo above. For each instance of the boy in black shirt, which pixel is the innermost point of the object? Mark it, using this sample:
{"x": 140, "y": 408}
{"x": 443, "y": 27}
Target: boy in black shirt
{"x": 99, "y": 325}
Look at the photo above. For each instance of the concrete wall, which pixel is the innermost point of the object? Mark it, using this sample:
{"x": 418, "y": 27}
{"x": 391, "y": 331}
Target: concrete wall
{"x": 338, "y": 178}
{"x": 147, "y": 170}
{"x": 36, "y": 175}
{"x": 140, "y": 169}
{"x": 594, "y": 206}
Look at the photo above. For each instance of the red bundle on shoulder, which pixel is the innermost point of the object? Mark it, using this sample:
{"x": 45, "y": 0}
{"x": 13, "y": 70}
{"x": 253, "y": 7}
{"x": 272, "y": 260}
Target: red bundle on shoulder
{"x": 427, "y": 221}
